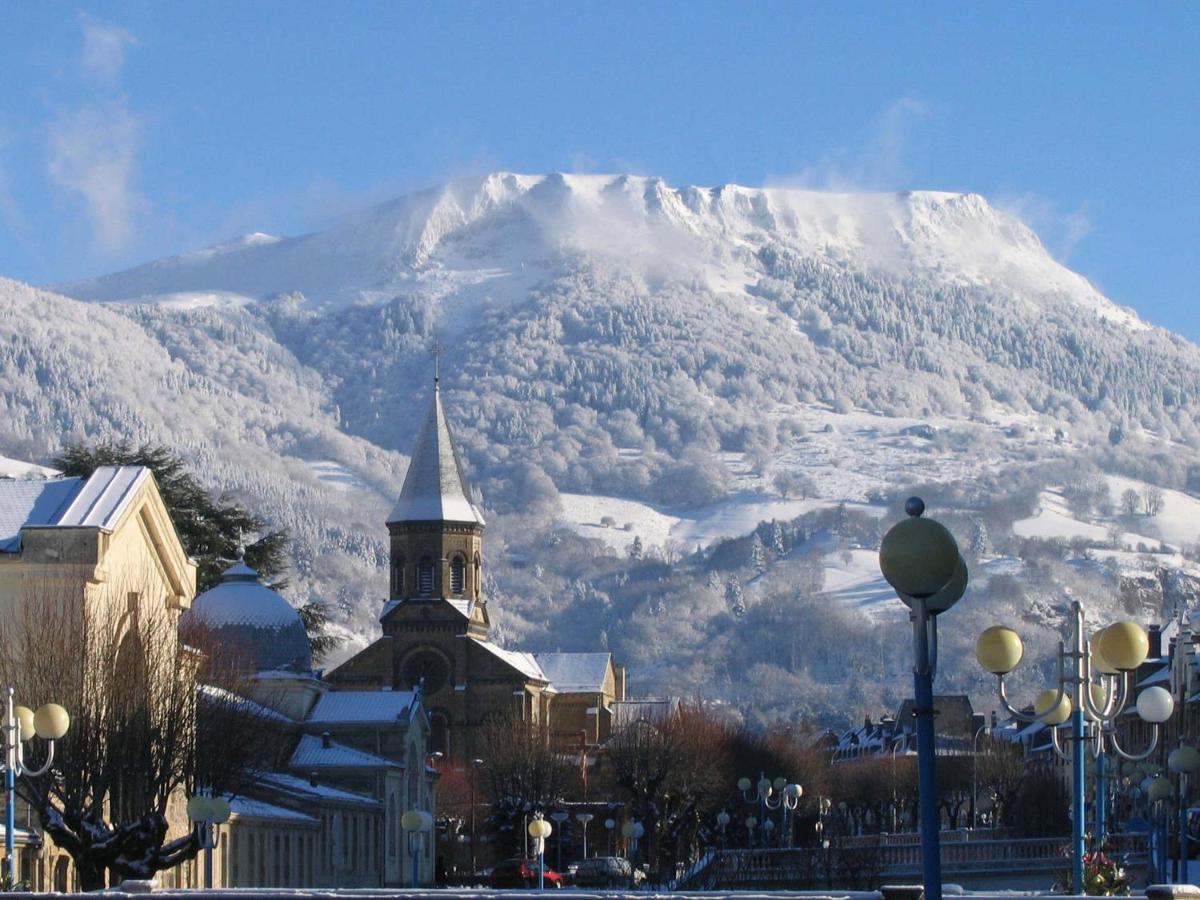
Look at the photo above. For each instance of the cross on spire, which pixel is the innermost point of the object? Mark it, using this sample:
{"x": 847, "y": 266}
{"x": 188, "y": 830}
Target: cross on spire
{"x": 437, "y": 352}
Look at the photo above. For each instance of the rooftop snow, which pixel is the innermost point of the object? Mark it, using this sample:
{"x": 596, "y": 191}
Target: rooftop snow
{"x": 362, "y": 706}
{"x": 245, "y": 807}
{"x": 295, "y": 786}
{"x": 434, "y": 488}
{"x": 96, "y": 502}
{"x": 575, "y": 672}
{"x": 525, "y": 663}
{"x": 310, "y": 753}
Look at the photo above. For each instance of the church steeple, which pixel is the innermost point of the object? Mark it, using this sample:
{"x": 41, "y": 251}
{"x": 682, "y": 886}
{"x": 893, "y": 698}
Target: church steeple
{"x": 436, "y": 531}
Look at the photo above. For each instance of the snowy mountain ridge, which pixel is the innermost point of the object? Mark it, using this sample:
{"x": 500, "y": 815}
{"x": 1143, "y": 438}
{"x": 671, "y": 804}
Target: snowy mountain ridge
{"x": 715, "y": 233}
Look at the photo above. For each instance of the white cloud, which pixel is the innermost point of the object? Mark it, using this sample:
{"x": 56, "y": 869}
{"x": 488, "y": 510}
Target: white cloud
{"x": 1061, "y": 231}
{"x": 104, "y": 48}
{"x": 92, "y": 148}
{"x": 880, "y": 163}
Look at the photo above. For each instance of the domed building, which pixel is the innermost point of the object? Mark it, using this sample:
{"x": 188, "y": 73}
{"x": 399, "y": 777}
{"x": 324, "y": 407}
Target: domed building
{"x": 255, "y": 624}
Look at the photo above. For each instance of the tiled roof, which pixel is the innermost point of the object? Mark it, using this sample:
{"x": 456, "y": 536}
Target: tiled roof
{"x": 434, "y": 488}
{"x": 96, "y": 502}
{"x": 575, "y": 672}
{"x": 362, "y": 706}
{"x": 310, "y": 753}
{"x": 525, "y": 663}
{"x": 221, "y": 696}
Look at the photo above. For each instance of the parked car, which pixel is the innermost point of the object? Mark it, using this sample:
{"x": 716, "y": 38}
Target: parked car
{"x": 522, "y": 873}
{"x": 603, "y": 871}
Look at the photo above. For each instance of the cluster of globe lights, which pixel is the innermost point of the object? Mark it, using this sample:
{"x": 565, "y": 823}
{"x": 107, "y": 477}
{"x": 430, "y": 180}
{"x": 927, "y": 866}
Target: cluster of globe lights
{"x": 208, "y": 810}
{"x": 50, "y": 722}
{"x": 1110, "y": 655}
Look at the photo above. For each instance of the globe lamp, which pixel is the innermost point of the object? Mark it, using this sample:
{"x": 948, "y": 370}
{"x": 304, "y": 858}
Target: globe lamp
{"x": 999, "y": 650}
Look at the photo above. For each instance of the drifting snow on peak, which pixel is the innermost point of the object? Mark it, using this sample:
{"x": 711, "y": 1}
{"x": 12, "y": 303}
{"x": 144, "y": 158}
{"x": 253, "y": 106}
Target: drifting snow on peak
{"x": 502, "y": 233}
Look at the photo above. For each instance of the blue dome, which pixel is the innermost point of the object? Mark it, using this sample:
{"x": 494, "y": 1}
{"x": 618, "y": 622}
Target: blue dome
{"x": 249, "y": 618}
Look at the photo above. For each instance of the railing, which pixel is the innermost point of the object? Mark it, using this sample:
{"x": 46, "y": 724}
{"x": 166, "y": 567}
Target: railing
{"x": 865, "y": 862}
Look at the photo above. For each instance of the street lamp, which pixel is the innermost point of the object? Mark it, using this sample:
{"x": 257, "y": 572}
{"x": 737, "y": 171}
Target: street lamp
{"x": 633, "y": 832}
{"x": 208, "y": 814}
{"x": 1091, "y": 695}
{"x": 771, "y": 795}
{"x": 560, "y": 816}
{"x": 982, "y": 729}
{"x": 722, "y": 824}
{"x": 475, "y": 766}
{"x": 610, "y": 826}
{"x": 415, "y": 823}
{"x": 583, "y": 818}
{"x": 49, "y": 723}
{"x": 920, "y": 560}
{"x": 539, "y": 830}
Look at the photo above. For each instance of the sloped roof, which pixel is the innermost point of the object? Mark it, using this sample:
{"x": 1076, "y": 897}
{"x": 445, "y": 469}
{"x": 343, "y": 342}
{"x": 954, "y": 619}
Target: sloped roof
{"x": 302, "y": 788}
{"x": 460, "y": 606}
{"x": 246, "y": 807}
{"x": 575, "y": 672}
{"x": 361, "y": 706}
{"x": 525, "y": 663}
{"x": 434, "y": 487}
{"x": 311, "y": 753}
{"x": 221, "y": 696}
{"x": 94, "y": 502}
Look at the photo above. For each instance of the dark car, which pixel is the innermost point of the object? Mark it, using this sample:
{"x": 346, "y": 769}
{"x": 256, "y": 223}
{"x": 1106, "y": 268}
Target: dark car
{"x": 522, "y": 873}
{"x": 603, "y": 871}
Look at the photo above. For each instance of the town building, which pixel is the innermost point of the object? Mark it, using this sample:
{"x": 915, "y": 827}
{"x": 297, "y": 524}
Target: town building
{"x": 436, "y": 628}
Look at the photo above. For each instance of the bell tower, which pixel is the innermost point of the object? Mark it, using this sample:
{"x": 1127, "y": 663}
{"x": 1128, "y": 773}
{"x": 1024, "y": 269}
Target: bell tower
{"x": 436, "y": 532}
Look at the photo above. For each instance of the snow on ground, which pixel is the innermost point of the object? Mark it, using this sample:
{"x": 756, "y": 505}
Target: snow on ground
{"x": 852, "y": 579}
{"x": 1179, "y": 521}
{"x": 16, "y": 468}
{"x": 1054, "y": 520}
{"x": 336, "y": 476}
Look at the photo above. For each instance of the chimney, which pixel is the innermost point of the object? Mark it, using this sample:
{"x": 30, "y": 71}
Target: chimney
{"x": 312, "y": 779}
{"x": 1155, "y": 635}
{"x": 326, "y": 740}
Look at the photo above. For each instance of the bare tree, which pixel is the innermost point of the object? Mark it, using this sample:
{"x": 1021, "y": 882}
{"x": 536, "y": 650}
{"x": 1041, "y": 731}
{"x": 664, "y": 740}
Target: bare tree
{"x": 1152, "y": 500}
{"x": 1130, "y": 502}
{"x": 130, "y": 686}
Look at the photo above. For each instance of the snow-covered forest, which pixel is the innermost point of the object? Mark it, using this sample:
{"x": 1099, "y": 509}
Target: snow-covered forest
{"x": 690, "y": 415}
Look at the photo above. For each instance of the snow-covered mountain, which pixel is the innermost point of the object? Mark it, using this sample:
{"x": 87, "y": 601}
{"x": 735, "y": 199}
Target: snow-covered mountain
{"x": 632, "y": 360}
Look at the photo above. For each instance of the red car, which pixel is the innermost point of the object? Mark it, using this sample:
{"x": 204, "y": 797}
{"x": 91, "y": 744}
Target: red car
{"x": 522, "y": 873}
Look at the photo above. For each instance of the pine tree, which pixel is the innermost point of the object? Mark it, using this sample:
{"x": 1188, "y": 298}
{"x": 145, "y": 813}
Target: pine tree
{"x": 758, "y": 554}
{"x": 734, "y": 596}
{"x": 979, "y": 544}
{"x": 635, "y": 549}
{"x": 777, "y": 539}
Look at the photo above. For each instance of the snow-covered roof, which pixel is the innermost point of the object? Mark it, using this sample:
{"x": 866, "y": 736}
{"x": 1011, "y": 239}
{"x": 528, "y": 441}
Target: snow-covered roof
{"x": 246, "y": 807}
{"x": 311, "y": 753}
{"x": 242, "y": 704}
{"x": 1161, "y": 676}
{"x": 525, "y": 663}
{"x": 302, "y": 788}
{"x": 243, "y": 610}
{"x": 94, "y": 502}
{"x": 362, "y": 706}
{"x": 575, "y": 672}
{"x": 434, "y": 488}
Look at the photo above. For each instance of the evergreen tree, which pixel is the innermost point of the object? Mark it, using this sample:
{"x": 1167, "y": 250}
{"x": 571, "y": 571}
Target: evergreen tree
{"x": 734, "y": 596}
{"x": 979, "y": 543}
{"x": 777, "y": 538}
{"x": 758, "y": 554}
{"x": 635, "y": 549}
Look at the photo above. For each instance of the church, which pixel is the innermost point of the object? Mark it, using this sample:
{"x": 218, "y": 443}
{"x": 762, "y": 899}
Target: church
{"x": 436, "y": 627}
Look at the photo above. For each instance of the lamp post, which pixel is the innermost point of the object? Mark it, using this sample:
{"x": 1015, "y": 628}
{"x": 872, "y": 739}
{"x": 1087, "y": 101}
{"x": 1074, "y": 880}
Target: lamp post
{"x": 1091, "y": 692}
{"x": 560, "y": 816}
{"x": 772, "y": 795}
{"x": 539, "y": 830}
{"x": 49, "y": 723}
{"x": 920, "y": 560}
{"x": 722, "y": 824}
{"x": 208, "y": 814}
{"x": 475, "y": 765}
{"x": 633, "y": 832}
{"x": 415, "y": 823}
{"x": 982, "y": 729}
{"x": 610, "y": 826}
{"x": 583, "y": 818}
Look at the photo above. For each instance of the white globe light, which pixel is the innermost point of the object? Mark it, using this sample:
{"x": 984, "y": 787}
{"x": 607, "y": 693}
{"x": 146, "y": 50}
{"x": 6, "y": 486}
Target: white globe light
{"x": 1155, "y": 704}
{"x": 1184, "y": 760}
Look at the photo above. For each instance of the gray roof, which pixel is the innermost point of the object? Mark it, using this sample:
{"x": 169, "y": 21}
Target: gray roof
{"x": 434, "y": 487}
{"x": 575, "y": 673}
{"x": 345, "y": 707}
{"x": 311, "y": 753}
{"x": 94, "y": 502}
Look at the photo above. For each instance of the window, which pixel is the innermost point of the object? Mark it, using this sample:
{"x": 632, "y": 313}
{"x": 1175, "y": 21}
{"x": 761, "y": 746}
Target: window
{"x": 476, "y": 583}
{"x": 398, "y": 576}
{"x": 458, "y": 574}
{"x": 425, "y": 577}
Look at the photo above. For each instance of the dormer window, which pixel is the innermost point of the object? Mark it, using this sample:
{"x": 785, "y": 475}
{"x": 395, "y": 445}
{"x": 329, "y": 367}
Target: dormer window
{"x": 425, "y": 577}
{"x": 458, "y": 575}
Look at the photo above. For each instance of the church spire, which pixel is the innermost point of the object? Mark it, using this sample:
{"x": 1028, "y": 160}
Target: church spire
{"x": 434, "y": 489}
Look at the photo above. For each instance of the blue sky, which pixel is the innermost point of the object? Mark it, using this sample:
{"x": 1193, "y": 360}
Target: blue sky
{"x": 133, "y": 130}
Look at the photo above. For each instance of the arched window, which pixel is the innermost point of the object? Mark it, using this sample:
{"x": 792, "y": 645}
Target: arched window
{"x": 398, "y": 575}
{"x": 477, "y": 584}
{"x": 425, "y": 577}
{"x": 458, "y": 574}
